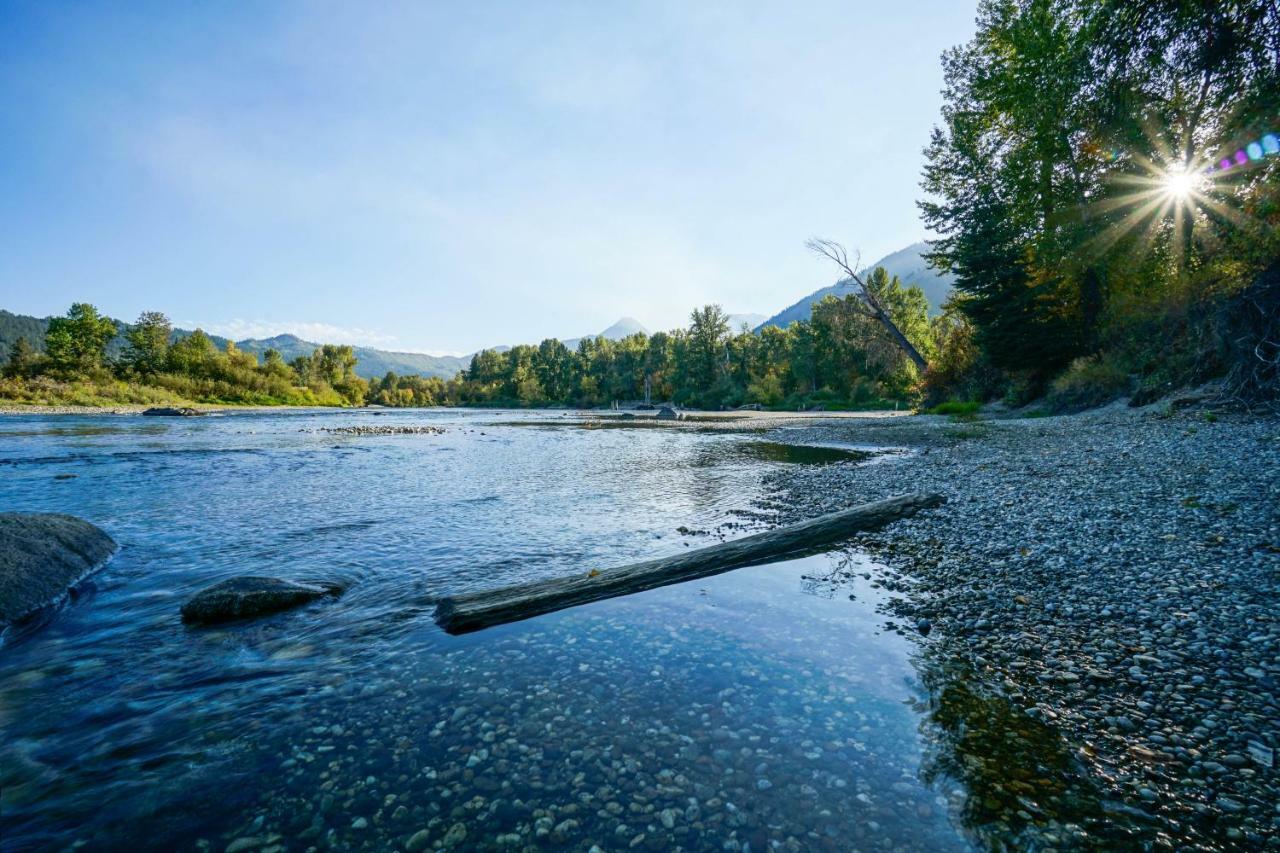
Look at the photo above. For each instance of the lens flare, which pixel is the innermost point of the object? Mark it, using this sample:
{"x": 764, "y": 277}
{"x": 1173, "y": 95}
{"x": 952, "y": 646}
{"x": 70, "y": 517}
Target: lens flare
{"x": 1180, "y": 184}
{"x": 1253, "y": 152}
{"x": 1161, "y": 196}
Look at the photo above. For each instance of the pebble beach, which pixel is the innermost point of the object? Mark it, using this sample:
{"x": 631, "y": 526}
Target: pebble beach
{"x": 1111, "y": 579}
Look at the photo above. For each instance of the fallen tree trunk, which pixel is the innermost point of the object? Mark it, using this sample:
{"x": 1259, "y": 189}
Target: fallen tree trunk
{"x": 461, "y": 614}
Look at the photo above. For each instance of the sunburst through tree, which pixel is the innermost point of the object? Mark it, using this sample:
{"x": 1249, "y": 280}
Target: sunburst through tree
{"x": 1166, "y": 196}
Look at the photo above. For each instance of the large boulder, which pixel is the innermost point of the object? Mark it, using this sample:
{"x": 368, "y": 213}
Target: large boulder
{"x": 666, "y": 413}
{"x": 44, "y": 555}
{"x": 172, "y": 412}
{"x": 247, "y": 596}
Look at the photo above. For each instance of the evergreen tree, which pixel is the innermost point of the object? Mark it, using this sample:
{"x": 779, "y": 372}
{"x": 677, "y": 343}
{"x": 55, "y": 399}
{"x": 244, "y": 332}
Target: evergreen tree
{"x": 22, "y": 359}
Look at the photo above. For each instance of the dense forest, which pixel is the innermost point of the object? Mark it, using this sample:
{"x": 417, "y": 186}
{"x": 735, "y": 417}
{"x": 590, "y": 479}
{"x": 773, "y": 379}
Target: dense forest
{"x": 1104, "y": 182}
{"x": 837, "y": 358}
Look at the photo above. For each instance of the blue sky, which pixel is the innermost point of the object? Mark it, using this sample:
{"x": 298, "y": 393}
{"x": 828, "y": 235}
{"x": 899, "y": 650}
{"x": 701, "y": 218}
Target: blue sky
{"x": 445, "y": 176}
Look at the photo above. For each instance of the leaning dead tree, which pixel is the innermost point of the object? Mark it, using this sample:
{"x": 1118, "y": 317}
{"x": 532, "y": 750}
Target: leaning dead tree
{"x": 459, "y": 614}
{"x": 871, "y": 306}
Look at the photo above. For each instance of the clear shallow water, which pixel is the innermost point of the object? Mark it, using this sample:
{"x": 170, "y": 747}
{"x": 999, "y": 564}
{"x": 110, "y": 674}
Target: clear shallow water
{"x": 764, "y": 707}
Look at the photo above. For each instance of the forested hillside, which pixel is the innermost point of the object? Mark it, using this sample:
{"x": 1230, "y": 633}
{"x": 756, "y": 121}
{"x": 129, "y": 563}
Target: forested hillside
{"x": 910, "y": 266}
{"x": 372, "y": 362}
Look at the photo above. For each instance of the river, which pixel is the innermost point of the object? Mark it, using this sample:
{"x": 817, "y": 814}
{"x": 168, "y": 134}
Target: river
{"x": 767, "y": 708}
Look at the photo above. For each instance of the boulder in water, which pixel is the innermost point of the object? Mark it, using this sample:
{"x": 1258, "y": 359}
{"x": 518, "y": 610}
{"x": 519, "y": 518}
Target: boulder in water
{"x": 247, "y": 596}
{"x": 173, "y": 412}
{"x": 44, "y": 555}
{"x": 666, "y": 413}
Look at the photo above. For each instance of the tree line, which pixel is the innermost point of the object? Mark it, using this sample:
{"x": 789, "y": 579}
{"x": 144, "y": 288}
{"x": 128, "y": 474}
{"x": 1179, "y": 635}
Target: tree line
{"x": 839, "y": 358}
{"x": 1104, "y": 181}
{"x": 74, "y": 362}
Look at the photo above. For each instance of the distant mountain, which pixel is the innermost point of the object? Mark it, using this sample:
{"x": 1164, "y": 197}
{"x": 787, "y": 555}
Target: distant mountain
{"x": 751, "y": 321}
{"x": 370, "y": 362}
{"x": 14, "y": 326}
{"x": 624, "y": 327}
{"x": 907, "y": 264}
{"x": 910, "y": 266}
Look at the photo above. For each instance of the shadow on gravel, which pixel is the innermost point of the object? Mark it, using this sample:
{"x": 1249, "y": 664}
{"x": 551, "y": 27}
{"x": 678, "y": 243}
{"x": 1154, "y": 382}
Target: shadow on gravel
{"x": 1012, "y": 780}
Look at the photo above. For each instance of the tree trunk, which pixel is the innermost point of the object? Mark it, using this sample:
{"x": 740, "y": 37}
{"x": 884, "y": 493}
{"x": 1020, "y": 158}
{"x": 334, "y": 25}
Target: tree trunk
{"x": 836, "y": 253}
{"x": 894, "y": 332}
{"x": 461, "y": 614}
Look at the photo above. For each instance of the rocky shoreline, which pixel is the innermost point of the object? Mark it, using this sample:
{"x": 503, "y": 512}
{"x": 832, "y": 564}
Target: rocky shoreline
{"x": 1113, "y": 577}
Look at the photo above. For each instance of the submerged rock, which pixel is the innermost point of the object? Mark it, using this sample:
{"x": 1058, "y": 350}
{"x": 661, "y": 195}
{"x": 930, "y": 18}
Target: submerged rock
{"x": 173, "y": 412}
{"x": 366, "y": 429}
{"x": 42, "y": 556}
{"x": 248, "y": 596}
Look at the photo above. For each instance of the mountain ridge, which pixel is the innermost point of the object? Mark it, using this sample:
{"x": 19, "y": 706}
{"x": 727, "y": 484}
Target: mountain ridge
{"x": 908, "y": 264}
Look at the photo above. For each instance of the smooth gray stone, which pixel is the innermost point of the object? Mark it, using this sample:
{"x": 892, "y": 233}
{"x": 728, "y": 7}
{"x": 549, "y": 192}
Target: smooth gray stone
{"x": 44, "y": 555}
{"x": 248, "y": 596}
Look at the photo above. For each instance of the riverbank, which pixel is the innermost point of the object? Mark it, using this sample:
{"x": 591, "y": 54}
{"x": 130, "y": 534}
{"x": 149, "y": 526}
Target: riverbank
{"x": 722, "y": 420}
{"x": 1111, "y": 576}
{"x": 9, "y": 408}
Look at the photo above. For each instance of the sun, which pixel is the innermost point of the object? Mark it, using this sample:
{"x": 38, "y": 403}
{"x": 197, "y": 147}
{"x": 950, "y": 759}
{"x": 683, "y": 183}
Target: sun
{"x": 1179, "y": 184}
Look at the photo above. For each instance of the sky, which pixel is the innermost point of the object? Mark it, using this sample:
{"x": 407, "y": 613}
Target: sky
{"x": 439, "y": 177}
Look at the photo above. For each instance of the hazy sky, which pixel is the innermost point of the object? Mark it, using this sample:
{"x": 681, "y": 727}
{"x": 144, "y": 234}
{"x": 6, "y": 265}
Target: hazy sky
{"x": 443, "y": 176}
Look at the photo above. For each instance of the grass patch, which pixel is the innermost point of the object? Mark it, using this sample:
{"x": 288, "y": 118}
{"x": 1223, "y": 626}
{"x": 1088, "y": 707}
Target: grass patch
{"x": 956, "y": 408}
{"x": 1087, "y": 383}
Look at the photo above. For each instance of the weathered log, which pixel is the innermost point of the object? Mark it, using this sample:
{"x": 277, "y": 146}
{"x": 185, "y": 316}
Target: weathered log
{"x": 460, "y": 614}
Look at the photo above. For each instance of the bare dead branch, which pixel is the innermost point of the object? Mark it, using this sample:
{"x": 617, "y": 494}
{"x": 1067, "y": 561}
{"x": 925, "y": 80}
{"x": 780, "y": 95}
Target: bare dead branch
{"x": 836, "y": 253}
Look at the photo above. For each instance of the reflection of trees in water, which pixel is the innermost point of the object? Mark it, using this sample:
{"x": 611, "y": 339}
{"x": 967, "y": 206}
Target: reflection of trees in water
{"x": 838, "y": 577}
{"x": 1014, "y": 782}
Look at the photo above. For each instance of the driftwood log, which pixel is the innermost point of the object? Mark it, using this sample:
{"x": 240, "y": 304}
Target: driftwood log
{"x": 461, "y": 614}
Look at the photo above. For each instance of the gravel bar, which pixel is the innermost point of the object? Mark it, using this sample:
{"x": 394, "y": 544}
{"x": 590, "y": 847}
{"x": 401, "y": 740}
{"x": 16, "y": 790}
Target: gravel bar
{"x": 1113, "y": 577}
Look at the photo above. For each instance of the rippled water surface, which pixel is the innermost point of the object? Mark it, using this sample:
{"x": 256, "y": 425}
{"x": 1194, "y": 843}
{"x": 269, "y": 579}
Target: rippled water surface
{"x": 761, "y": 709}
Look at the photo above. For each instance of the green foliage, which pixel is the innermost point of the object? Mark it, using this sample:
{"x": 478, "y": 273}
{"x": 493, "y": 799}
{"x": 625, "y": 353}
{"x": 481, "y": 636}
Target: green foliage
{"x": 49, "y": 390}
{"x": 150, "y": 369}
{"x": 1088, "y": 382}
{"x": 22, "y": 360}
{"x": 14, "y": 326}
{"x": 147, "y": 343}
{"x": 956, "y": 407}
{"x": 1059, "y": 121}
{"x": 838, "y": 359}
{"x": 77, "y": 342}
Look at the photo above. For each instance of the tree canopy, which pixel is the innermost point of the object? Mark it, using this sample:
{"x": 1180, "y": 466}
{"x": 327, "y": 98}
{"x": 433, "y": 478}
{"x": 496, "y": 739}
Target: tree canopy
{"x": 1100, "y": 166}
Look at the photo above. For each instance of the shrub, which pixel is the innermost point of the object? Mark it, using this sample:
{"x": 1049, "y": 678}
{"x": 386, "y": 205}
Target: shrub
{"x": 1088, "y": 382}
{"x": 955, "y": 407}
